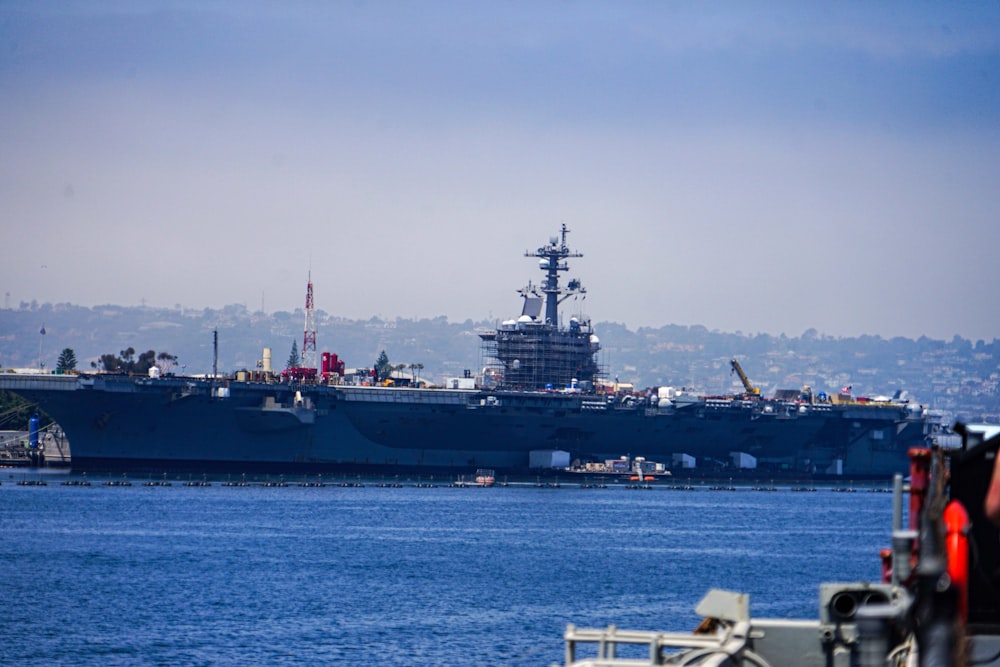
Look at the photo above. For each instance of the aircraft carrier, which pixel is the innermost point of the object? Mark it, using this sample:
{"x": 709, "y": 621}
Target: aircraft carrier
{"x": 540, "y": 403}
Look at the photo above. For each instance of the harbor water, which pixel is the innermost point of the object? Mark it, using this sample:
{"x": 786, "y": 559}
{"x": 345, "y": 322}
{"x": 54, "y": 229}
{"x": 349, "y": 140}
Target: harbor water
{"x": 364, "y": 575}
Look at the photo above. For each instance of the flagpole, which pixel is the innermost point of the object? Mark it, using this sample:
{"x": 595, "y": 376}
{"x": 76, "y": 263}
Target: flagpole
{"x": 41, "y": 337}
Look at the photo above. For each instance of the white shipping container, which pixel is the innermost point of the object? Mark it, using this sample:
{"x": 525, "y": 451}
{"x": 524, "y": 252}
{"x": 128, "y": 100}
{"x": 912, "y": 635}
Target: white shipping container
{"x": 743, "y": 460}
{"x": 683, "y": 461}
{"x": 548, "y": 458}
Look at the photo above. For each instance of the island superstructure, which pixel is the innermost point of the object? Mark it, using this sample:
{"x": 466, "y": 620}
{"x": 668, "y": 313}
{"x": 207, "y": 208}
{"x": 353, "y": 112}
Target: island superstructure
{"x": 534, "y": 352}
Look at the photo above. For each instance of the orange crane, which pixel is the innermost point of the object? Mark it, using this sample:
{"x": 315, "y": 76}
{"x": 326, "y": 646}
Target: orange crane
{"x": 750, "y": 389}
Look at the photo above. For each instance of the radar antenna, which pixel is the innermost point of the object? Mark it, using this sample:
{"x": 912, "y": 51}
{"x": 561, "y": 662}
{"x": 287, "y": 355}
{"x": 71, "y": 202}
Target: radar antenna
{"x": 553, "y": 260}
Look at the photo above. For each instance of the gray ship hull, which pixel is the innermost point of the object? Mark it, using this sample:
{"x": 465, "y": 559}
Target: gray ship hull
{"x": 167, "y": 424}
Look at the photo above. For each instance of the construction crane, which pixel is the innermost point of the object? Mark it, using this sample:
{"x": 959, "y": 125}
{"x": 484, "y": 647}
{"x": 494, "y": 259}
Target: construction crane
{"x": 750, "y": 389}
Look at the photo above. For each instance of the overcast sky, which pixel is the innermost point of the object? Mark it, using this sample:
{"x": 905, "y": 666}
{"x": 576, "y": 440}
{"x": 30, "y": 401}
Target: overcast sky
{"x": 755, "y": 167}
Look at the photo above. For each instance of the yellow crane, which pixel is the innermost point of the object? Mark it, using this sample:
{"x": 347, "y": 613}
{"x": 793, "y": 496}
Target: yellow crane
{"x": 750, "y": 389}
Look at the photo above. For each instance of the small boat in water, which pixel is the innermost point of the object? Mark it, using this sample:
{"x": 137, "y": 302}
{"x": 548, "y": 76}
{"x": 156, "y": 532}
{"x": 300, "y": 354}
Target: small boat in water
{"x": 485, "y": 477}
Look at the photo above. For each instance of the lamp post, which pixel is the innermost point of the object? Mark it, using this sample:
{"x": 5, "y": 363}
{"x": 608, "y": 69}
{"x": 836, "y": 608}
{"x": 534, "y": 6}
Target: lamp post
{"x": 41, "y": 337}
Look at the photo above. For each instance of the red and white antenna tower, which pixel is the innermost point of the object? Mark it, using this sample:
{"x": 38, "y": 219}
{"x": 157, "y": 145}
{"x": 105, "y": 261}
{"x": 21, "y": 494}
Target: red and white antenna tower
{"x": 309, "y": 334}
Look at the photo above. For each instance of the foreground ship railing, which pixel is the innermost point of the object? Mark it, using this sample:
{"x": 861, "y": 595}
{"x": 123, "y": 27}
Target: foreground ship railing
{"x": 937, "y": 603}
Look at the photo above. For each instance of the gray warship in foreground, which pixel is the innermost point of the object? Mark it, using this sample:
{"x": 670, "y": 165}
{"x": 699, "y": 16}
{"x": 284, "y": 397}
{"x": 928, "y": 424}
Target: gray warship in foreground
{"x": 541, "y": 402}
{"x": 937, "y": 603}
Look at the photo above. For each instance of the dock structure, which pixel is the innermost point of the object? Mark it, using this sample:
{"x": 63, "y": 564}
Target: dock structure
{"x": 16, "y": 451}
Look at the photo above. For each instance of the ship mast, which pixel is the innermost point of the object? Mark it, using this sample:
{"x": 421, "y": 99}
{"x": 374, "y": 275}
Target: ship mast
{"x": 553, "y": 258}
{"x": 309, "y": 333}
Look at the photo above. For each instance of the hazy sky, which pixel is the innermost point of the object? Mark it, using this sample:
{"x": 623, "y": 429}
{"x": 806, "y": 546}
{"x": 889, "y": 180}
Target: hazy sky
{"x": 757, "y": 167}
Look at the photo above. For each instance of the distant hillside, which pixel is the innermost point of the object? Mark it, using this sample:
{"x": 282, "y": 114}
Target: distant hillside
{"x": 956, "y": 376}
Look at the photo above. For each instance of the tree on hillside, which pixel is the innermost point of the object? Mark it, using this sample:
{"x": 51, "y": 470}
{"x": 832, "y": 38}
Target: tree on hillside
{"x": 127, "y": 359}
{"x": 67, "y": 361}
{"x": 294, "y": 361}
{"x": 383, "y": 369}
{"x": 166, "y": 362}
{"x": 127, "y": 362}
{"x": 107, "y": 363}
{"x": 145, "y": 361}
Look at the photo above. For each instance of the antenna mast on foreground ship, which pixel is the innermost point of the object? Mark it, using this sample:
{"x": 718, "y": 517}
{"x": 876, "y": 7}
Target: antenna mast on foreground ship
{"x": 533, "y": 352}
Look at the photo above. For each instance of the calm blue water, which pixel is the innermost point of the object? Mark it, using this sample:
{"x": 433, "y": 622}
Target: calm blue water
{"x": 441, "y": 576}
